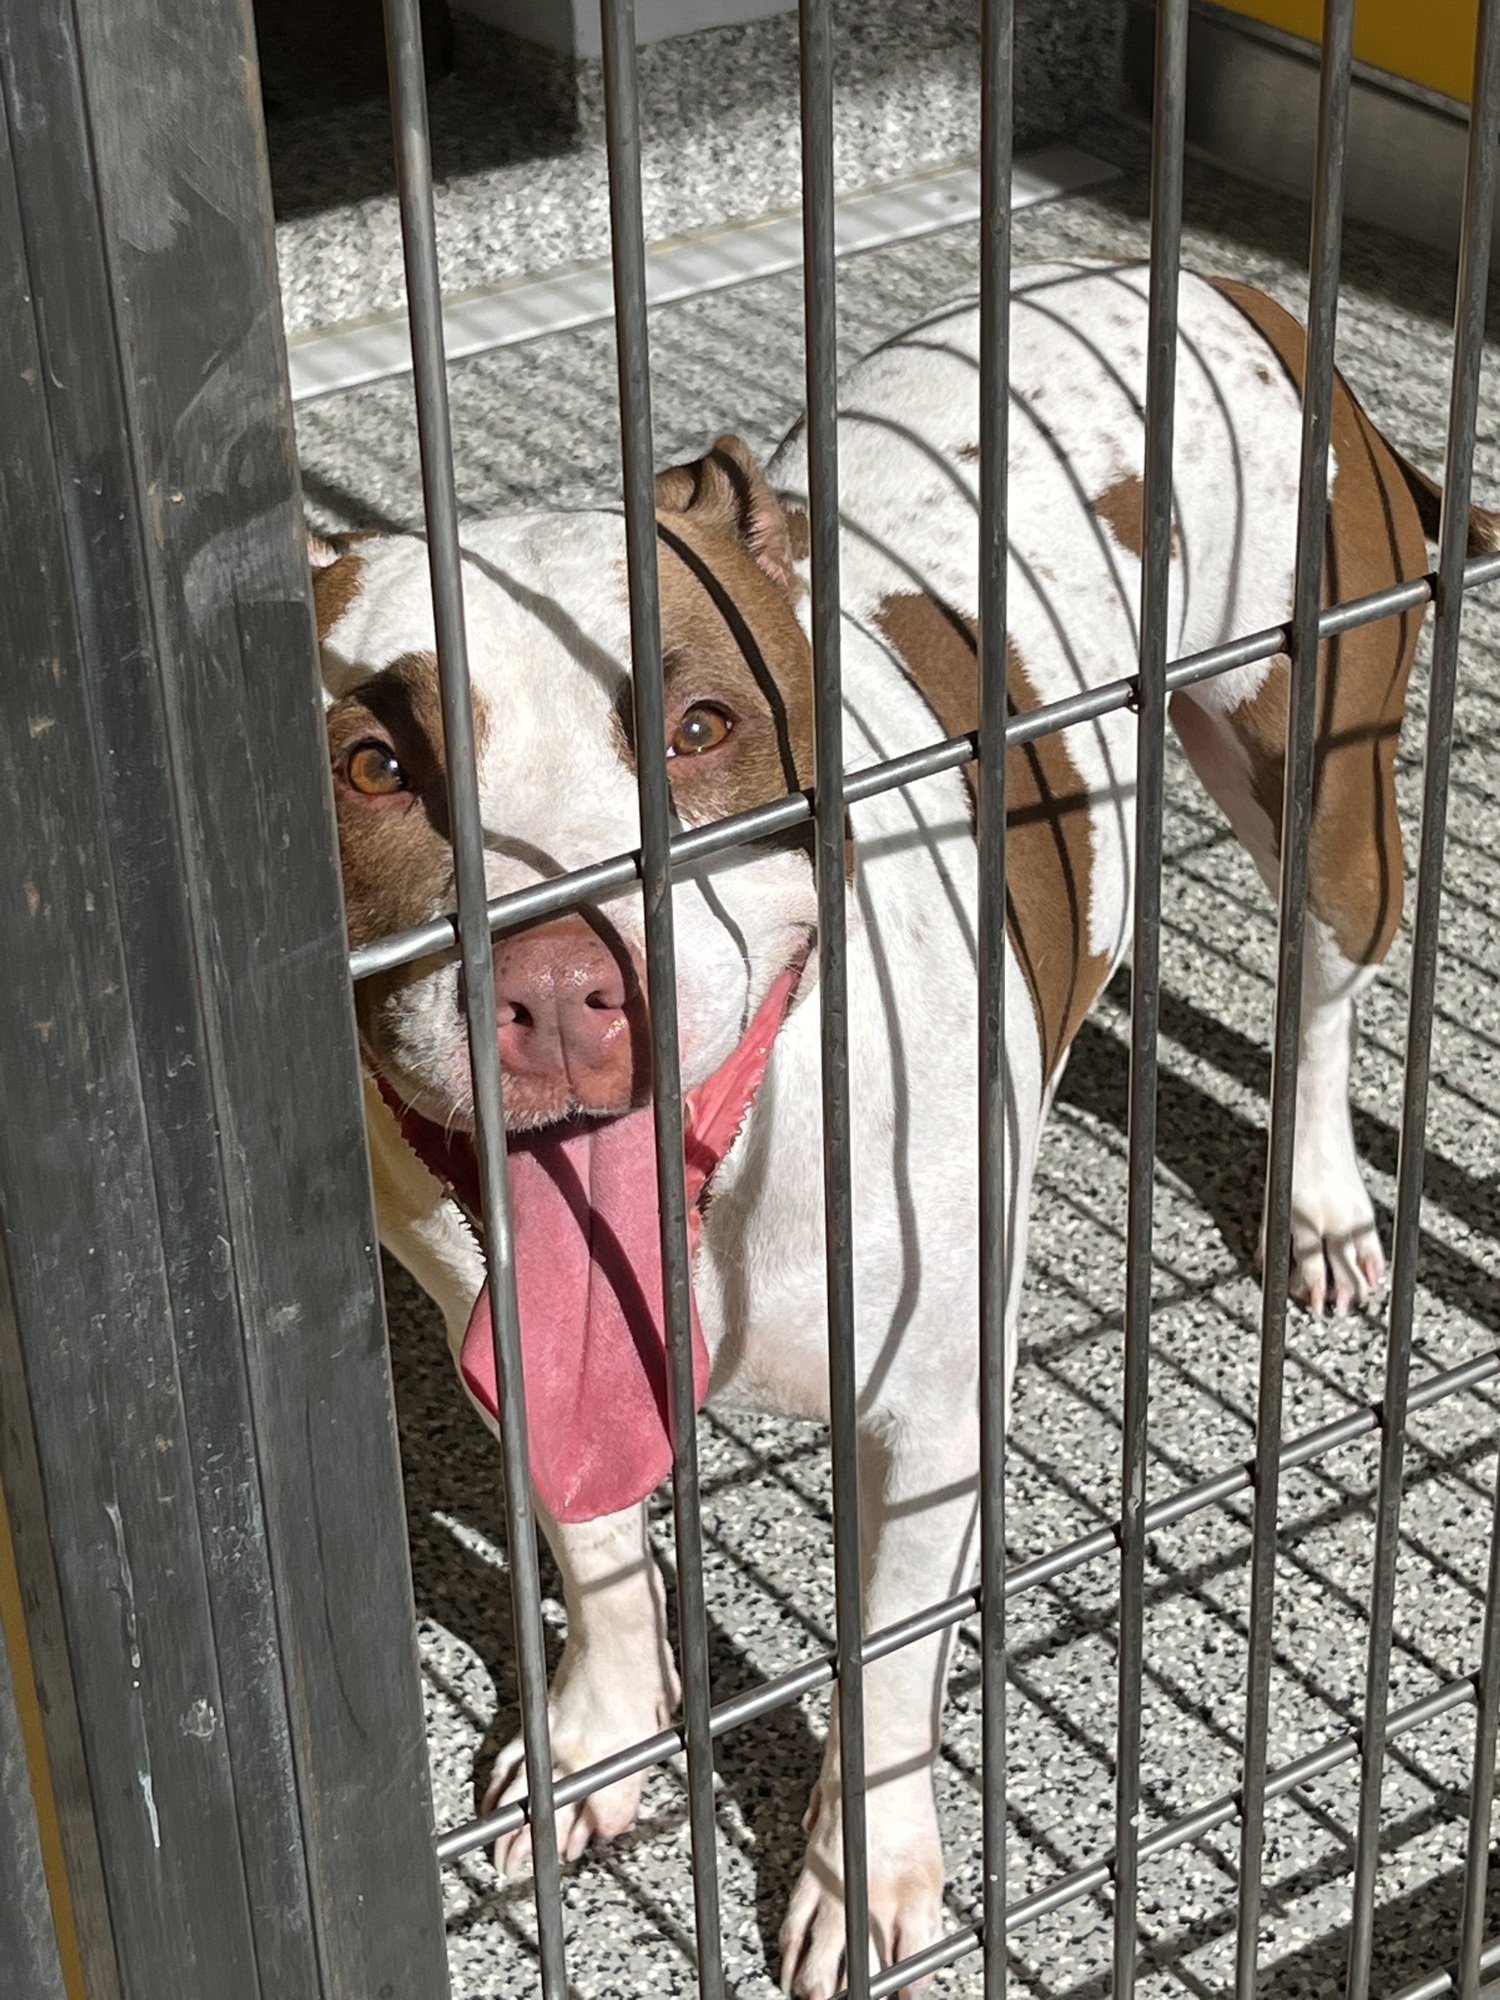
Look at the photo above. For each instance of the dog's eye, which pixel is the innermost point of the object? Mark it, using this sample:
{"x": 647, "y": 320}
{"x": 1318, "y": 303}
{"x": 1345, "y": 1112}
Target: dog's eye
{"x": 701, "y": 728}
{"x": 374, "y": 770}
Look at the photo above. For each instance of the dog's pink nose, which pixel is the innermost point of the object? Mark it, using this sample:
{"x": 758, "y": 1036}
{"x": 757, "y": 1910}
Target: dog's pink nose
{"x": 571, "y": 1019}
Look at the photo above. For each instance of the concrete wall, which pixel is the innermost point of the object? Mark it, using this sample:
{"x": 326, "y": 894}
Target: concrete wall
{"x": 572, "y": 26}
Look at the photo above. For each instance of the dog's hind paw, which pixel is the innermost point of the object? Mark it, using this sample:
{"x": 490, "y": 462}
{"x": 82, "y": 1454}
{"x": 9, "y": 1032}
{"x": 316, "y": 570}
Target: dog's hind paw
{"x": 1336, "y": 1263}
{"x": 1339, "y": 1269}
{"x": 906, "y": 1907}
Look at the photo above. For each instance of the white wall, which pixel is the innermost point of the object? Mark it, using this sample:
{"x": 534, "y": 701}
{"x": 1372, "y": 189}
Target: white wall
{"x": 573, "y": 25}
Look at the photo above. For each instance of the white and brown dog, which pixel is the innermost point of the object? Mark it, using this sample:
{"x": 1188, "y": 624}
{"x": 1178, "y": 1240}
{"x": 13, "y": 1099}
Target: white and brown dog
{"x": 550, "y": 649}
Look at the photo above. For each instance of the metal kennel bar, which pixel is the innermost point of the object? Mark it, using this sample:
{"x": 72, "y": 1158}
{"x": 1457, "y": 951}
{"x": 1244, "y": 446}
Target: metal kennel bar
{"x": 1471, "y": 1946}
{"x": 1158, "y": 513}
{"x": 1463, "y": 422}
{"x": 419, "y": 242}
{"x": 997, "y": 146}
{"x": 622, "y": 146}
{"x": 1296, "y": 828}
{"x": 815, "y": 21}
{"x": 1463, "y": 417}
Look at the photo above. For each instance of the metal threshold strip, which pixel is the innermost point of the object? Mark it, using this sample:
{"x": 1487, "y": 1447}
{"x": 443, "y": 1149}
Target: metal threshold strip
{"x": 1165, "y": 1513}
{"x": 1436, "y": 1984}
{"x": 330, "y": 359}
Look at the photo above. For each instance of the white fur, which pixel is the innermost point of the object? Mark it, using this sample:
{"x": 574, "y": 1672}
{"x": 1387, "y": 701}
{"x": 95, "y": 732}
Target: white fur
{"x": 549, "y": 646}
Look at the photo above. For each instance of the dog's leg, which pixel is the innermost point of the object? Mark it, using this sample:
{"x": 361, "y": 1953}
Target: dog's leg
{"x": 919, "y": 1482}
{"x": 1336, "y": 1258}
{"x": 614, "y": 1685}
{"x": 923, "y": 1552}
{"x": 918, "y": 1486}
{"x": 615, "y": 1682}
{"x": 1354, "y": 905}
{"x": 1377, "y": 505}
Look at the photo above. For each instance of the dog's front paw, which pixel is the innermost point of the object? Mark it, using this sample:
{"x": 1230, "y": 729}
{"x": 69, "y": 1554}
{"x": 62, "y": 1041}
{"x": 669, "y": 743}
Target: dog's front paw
{"x": 1336, "y": 1260}
{"x": 905, "y": 1888}
{"x": 600, "y": 1816}
{"x": 588, "y": 1724}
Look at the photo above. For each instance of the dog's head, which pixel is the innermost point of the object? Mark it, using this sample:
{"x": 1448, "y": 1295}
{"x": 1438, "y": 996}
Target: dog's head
{"x": 547, "y": 615}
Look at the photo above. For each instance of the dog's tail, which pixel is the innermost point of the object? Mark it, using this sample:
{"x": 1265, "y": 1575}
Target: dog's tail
{"x": 1484, "y": 527}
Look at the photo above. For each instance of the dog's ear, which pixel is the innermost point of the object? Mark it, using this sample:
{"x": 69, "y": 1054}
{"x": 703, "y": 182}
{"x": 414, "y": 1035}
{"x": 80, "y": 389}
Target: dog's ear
{"x": 322, "y": 552}
{"x": 728, "y": 490}
{"x": 337, "y": 567}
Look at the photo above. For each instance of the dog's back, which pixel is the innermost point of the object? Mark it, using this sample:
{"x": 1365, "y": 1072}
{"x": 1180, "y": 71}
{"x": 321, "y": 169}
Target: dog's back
{"x": 908, "y": 476}
{"x": 908, "y": 473}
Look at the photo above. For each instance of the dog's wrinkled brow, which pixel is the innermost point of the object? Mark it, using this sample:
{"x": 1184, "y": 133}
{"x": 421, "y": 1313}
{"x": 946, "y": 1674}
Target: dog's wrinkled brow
{"x": 746, "y": 644}
{"x": 596, "y": 660}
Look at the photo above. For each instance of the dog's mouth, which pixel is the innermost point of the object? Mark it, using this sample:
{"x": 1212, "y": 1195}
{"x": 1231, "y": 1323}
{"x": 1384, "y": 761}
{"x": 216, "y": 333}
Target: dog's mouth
{"x": 586, "y": 1223}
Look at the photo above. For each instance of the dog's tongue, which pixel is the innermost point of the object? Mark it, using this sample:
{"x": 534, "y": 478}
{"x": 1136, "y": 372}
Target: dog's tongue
{"x": 589, "y": 1287}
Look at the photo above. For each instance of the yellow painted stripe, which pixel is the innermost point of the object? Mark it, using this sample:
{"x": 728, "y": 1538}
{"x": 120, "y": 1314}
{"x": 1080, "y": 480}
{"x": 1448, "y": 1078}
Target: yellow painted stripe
{"x": 13, "y": 1634}
{"x": 1426, "y": 41}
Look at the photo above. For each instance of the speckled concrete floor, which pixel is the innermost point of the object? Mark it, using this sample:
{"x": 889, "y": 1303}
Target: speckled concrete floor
{"x": 538, "y": 424}
{"x": 518, "y": 139}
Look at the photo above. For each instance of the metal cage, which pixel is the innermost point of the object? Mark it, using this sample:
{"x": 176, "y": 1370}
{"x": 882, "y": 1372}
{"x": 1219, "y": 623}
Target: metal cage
{"x": 198, "y": 1448}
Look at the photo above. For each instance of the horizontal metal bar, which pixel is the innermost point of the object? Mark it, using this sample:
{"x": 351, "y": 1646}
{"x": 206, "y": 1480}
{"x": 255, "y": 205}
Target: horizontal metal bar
{"x": 1315, "y": 1764}
{"x": 1436, "y": 1984}
{"x": 1087, "y": 1880}
{"x": 605, "y": 878}
{"x": 945, "y": 1951}
{"x": 329, "y": 359}
{"x": 817, "y": 1673}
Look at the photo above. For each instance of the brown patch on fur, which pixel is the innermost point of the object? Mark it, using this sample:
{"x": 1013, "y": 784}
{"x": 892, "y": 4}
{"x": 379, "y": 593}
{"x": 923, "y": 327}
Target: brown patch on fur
{"x": 799, "y": 533}
{"x": 1123, "y": 507}
{"x": 335, "y": 587}
{"x": 1484, "y": 527}
{"x": 396, "y": 855}
{"x": 1374, "y": 538}
{"x": 730, "y": 637}
{"x": 1049, "y": 878}
{"x": 1049, "y": 848}
{"x": 940, "y": 651}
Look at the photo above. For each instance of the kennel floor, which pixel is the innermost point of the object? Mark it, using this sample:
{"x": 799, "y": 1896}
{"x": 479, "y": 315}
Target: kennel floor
{"x": 538, "y": 425}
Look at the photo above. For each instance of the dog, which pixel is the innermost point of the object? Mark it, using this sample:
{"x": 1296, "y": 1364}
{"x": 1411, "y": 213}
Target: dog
{"x": 547, "y": 615}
